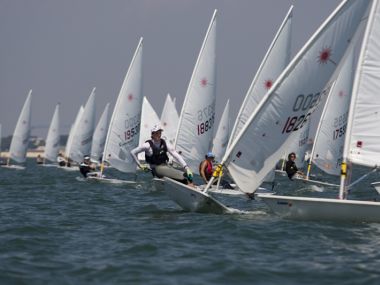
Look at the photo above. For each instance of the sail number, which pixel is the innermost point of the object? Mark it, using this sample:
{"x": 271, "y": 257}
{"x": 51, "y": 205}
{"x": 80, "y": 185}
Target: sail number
{"x": 302, "y": 103}
{"x": 205, "y": 119}
{"x": 337, "y": 133}
{"x": 205, "y": 126}
{"x": 128, "y": 134}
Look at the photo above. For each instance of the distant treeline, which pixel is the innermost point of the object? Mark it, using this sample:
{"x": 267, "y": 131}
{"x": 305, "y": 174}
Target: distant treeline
{"x": 34, "y": 142}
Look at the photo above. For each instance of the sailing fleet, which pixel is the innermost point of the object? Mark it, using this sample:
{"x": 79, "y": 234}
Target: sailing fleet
{"x": 326, "y": 94}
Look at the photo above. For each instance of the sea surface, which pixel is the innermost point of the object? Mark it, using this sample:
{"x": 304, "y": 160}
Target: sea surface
{"x": 57, "y": 229}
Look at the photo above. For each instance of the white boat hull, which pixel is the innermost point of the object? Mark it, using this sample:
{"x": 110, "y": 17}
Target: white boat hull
{"x": 110, "y": 180}
{"x": 16, "y": 167}
{"x": 303, "y": 208}
{"x": 72, "y": 168}
{"x": 192, "y": 199}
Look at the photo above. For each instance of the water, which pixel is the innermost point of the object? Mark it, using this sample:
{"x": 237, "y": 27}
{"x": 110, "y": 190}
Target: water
{"x": 58, "y": 230}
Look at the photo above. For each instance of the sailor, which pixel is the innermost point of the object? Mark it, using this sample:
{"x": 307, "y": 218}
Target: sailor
{"x": 87, "y": 168}
{"x": 205, "y": 167}
{"x": 39, "y": 159}
{"x": 156, "y": 150}
{"x": 61, "y": 160}
{"x": 291, "y": 167}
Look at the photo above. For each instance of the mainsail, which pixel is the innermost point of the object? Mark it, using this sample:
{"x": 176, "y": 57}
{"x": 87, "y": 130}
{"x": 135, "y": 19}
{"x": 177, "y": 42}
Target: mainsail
{"x": 20, "y": 139}
{"x": 69, "y": 142}
{"x": 124, "y": 130}
{"x": 53, "y": 137}
{"x": 363, "y": 128}
{"x": 222, "y": 134}
{"x": 274, "y": 62}
{"x": 100, "y": 134}
{"x": 83, "y": 131}
{"x": 169, "y": 120}
{"x": 149, "y": 118}
{"x": 196, "y": 123}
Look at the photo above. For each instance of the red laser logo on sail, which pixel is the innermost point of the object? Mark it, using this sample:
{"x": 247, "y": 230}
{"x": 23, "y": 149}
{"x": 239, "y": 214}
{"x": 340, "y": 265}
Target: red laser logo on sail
{"x": 325, "y": 56}
{"x": 204, "y": 82}
{"x": 268, "y": 84}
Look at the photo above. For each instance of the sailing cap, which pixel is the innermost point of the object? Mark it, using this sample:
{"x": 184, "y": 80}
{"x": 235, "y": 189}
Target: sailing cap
{"x": 156, "y": 128}
{"x": 86, "y": 157}
{"x": 210, "y": 154}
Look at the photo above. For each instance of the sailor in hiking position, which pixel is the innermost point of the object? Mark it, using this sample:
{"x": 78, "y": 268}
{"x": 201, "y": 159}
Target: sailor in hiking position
{"x": 87, "y": 168}
{"x": 156, "y": 150}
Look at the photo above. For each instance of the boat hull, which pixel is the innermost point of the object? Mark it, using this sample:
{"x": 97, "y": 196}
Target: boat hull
{"x": 14, "y": 166}
{"x": 192, "y": 199}
{"x": 303, "y": 208}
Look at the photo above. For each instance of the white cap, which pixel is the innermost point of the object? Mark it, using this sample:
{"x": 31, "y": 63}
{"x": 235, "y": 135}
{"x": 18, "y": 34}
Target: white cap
{"x": 156, "y": 128}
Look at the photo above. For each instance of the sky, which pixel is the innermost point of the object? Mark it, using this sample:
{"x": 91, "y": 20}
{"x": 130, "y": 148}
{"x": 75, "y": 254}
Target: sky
{"x": 62, "y": 49}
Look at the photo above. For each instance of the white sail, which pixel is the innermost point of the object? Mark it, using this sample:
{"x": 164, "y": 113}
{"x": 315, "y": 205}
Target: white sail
{"x": 274, "y": 62}
{"x": 20, "y": 139}
{"x": 100, "y": 134}
{"x": 363, "y": 128}
{"x": 123, "y": 132}
{"x": 328, "y": 147}
{"x": 83, "y": 131}
{"x": 149, "y": 118}
{"x": 222, "y": 134}
{"x": 169, "y": 120}
{"x": 290, "y": 102}
{"x": 69, "y": 142}
{"x": 196, "y": 123}
{"x": 53, "y": 137}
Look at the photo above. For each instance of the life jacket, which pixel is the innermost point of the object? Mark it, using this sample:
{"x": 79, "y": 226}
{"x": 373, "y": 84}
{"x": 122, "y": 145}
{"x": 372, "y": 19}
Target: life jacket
{"x": 84, "y": 169}
{"x": 159, "y": 155}
{"x": 208, "y": 171}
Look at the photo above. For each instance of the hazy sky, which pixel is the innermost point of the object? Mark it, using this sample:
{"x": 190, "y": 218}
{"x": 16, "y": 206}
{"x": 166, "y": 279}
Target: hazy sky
{"x": 62, "y": 49}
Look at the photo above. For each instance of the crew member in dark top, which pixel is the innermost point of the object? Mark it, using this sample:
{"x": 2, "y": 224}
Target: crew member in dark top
{"x": 291, "y": 167}
{"x": 87, "y": 168}
{"x": 156, "y": 150}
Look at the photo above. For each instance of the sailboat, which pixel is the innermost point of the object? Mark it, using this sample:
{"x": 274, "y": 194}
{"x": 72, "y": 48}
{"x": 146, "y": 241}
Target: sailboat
{"x": 285, "y": 108}
{"x": 83, "y": 131}
{"x": 169, "y": 120}
{"x": 274, "y": 62}
{"x": 20, "y": 139}
{"x": 124, "y": 129}
{"x": 196, "y": 123}
{"x": 99, "y": 137}
{"x": 359, "y": 136}
{"x": 149, "y": 118}
{"x": 69, "y": 142}
{"x": 52, "y": 139}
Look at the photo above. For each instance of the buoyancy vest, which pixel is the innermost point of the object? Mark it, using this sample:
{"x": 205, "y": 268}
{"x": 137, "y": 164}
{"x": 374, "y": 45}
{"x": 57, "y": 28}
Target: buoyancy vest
{"x": 208, "y": 171}
{"x": 159, "y": 155}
